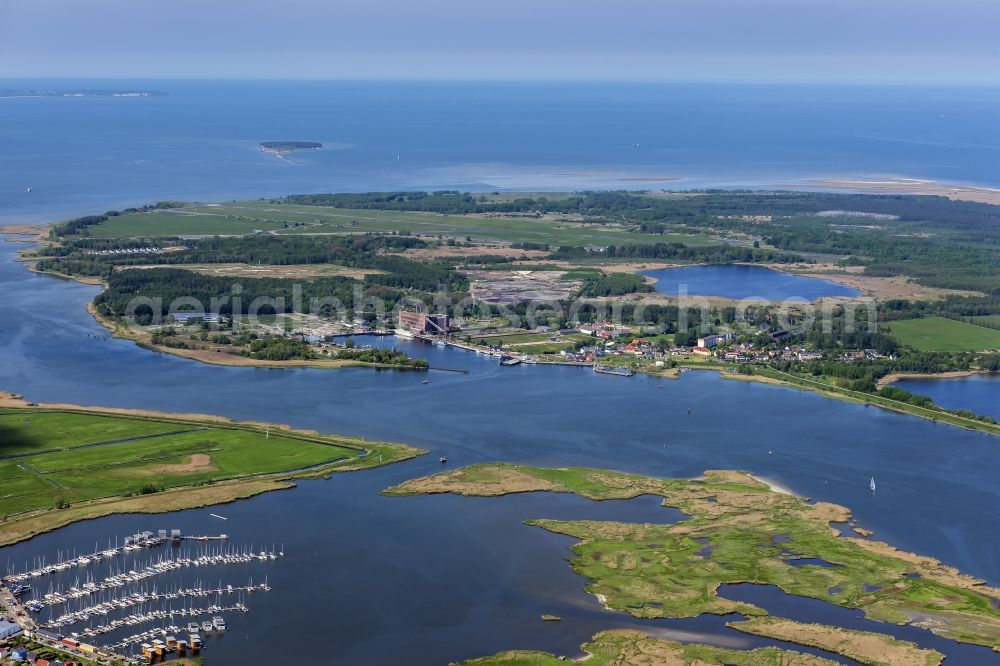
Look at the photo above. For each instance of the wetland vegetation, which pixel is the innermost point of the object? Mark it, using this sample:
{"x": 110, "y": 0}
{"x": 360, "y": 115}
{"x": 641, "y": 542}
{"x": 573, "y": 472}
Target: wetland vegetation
{"x": 737, "y": 530}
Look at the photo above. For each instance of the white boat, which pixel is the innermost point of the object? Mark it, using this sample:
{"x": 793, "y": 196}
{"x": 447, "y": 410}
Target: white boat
{"x": 871, "y": 484}
{"x": 402, "y": 333}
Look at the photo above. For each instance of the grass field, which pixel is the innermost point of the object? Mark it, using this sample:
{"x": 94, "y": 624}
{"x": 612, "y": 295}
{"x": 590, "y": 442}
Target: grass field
{"x": 51, "y": 456}
{"x": 939, "y": 334}
{"x": 241, "y": 218}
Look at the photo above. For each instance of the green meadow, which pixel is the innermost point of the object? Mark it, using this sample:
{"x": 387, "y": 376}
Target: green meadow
{"x": 940, "y": 334}
{"x": 50, "y": 458}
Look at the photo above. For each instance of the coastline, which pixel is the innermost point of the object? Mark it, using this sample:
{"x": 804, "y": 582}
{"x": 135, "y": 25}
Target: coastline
{"x": 21, "y": 527}
{"x": 836, "y": 393}
{"x": 33, "y": 233}
{"x": 223, "y": 359}
{"x": 201, "y": 355}
{"x": 26, "y": 527}
{"x": 954, "y": 374}
{"x": 870, "y": 286}
{"x": 911, "y": 186}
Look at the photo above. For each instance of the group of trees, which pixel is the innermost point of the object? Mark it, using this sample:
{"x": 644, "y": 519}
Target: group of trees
{"x": 712, "y": 254}
{"x": 280, "y": 348}
{"x": 381, "y": 356}
{"x": 614, "y": 284}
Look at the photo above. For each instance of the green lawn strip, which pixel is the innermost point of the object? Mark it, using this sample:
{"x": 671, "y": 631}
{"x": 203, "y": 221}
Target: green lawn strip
{"x": 940, "y": 334}
{"x": 612, "y": 648}
{"x": 751, "y": 535}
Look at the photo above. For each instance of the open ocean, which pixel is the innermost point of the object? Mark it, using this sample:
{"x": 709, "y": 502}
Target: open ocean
{"x": 88, "y": 154}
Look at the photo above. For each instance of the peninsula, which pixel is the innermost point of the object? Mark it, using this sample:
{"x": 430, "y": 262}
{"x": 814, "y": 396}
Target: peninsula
{"x": 64, "y": 463}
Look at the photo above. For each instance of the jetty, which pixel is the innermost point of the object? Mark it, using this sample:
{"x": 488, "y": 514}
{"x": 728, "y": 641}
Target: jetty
{"x": 133, "y": 543}
{"x": 139, "y": 598}
{"x": 155, "y": 567}
{"x": 618, "y": 371}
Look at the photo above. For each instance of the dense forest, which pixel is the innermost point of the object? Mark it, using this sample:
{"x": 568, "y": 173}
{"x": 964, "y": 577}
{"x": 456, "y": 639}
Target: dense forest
{"x": 224, "y": 295}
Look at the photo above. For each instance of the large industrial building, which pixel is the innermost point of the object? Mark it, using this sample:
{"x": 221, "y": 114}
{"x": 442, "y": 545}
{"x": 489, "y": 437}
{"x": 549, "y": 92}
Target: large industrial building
{"x": 419, "y": 323}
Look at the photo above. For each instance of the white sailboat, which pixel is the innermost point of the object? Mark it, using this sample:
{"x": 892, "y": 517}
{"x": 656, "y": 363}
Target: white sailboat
{"x": 871, "y": 484}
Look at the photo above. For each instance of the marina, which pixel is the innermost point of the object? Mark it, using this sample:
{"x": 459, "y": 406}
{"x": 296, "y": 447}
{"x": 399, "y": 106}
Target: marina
{"x": 147, "y": 598}
{"x": 134, "y": 543}
{"x": 98, "y": 603}
{"x": 154, "y": 567}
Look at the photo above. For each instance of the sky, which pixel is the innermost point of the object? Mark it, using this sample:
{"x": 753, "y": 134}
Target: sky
{"x": 911, "y": 41}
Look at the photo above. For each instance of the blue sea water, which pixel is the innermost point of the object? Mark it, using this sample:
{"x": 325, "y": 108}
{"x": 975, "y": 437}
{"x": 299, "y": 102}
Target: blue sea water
{"x": 88, "y": 154}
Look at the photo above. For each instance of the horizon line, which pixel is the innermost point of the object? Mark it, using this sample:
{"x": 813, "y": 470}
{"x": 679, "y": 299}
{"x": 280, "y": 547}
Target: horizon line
{"x": 521, "y": 80}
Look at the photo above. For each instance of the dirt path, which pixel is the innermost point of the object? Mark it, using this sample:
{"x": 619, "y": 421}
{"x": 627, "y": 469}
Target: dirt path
{"x": 200, "y": 462}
